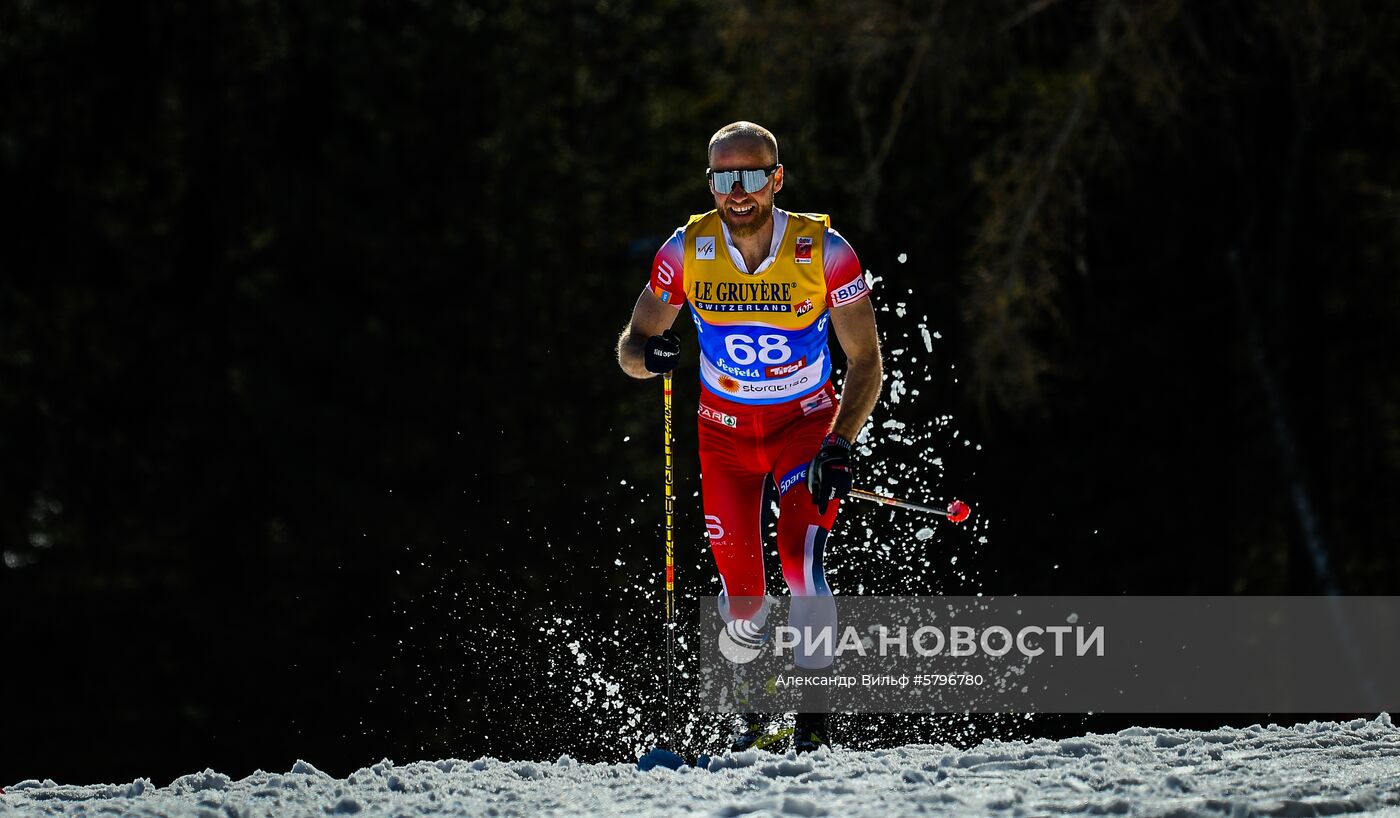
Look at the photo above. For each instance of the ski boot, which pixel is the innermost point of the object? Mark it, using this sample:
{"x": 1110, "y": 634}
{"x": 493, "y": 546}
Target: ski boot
{"x": 811, "y": 732}
{"x": 753, "y": 733}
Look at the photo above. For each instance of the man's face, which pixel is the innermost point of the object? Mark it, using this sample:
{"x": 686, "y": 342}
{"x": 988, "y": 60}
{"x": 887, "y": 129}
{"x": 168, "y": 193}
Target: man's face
{"x": 743, "y": 212}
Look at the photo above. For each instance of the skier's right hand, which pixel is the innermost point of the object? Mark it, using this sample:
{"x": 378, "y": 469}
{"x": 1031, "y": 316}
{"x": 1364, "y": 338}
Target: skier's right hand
{"x": 829, "y": 473}
{"x": 662, "y": 352}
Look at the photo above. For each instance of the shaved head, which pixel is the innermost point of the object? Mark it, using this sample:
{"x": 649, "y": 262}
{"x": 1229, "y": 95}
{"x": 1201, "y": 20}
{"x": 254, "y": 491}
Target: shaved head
{"x": 747, "y": 134}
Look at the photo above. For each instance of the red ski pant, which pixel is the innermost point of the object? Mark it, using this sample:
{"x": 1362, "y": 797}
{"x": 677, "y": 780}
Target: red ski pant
{"x": 742, "y": 447}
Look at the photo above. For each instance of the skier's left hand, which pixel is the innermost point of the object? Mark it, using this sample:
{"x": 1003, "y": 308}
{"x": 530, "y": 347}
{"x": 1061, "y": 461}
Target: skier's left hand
{"x": 829, "y": 473}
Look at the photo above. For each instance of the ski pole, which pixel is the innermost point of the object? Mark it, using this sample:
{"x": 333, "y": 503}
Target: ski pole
{"x": 670, "y": 560}
{"x": 956, "y": 512}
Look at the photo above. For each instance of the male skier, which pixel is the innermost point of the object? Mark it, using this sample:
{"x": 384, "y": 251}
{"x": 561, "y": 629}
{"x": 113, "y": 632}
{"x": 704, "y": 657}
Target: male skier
{"x": 763, "y": 286}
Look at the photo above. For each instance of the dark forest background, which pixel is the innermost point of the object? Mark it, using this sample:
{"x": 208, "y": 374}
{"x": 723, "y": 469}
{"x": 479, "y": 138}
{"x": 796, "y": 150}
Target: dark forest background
{"x": 307, "y": 318}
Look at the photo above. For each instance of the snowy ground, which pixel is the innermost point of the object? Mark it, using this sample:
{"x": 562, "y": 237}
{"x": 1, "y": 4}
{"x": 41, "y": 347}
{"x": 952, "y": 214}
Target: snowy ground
{"x": 1319, "y": 768}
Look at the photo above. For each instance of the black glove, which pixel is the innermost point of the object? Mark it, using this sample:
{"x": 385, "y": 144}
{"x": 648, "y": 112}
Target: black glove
{"x": 829, "y": 473}
{"x": 662, "y": 352}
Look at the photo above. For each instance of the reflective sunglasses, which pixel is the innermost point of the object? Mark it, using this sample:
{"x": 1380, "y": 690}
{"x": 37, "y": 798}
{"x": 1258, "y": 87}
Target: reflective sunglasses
{"x": 753, "y": 180}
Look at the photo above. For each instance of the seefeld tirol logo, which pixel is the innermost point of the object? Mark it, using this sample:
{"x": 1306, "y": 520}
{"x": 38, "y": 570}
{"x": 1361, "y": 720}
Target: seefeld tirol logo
{"x": 741, "y": 641}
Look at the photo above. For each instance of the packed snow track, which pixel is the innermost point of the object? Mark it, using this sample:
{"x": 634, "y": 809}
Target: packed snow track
{"x": 1318, "y": 768}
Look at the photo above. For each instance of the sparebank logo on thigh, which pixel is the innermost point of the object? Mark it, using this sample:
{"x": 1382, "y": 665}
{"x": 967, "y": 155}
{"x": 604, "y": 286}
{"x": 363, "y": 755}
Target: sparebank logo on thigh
{"x": 792, "y": 479}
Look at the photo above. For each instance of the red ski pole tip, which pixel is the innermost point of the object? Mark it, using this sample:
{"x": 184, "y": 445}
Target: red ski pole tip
{"x": 958, "y": 511}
